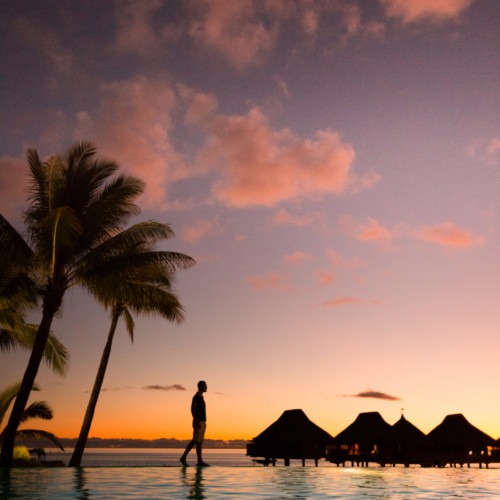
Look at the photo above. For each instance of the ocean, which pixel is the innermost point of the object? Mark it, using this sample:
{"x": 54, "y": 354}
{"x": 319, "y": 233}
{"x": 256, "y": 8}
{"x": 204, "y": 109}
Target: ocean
{"x": 149, "y": 474}
{"x": 150, "y": 457}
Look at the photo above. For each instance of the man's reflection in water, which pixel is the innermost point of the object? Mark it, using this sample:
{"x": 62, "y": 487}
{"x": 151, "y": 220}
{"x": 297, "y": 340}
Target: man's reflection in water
{"x": 81, "y": 483}
{"x": 194, "y": 483}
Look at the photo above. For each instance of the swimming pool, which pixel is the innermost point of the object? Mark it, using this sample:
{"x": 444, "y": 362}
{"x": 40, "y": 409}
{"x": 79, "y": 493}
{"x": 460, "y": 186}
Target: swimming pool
{"x": 99, "y": 483}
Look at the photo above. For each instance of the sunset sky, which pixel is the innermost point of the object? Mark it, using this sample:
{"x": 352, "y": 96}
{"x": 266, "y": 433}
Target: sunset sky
{"x": 332, "y": 166}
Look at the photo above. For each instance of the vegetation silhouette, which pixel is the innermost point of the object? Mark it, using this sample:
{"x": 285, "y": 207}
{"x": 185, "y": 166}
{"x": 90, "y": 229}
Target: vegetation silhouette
{"x": 77, "y": 208}
{"x": 140, "y": 281}
{"x": 18, "y": 294}
{"x": 37, "y": 409}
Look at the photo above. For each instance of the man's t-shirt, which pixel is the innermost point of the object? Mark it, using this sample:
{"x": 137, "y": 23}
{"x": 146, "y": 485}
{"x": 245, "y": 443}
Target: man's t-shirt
{"x": 198, "y": 408}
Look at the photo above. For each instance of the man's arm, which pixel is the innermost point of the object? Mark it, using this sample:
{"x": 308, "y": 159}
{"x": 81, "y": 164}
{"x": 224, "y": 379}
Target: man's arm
{"x": 194, "y": 406}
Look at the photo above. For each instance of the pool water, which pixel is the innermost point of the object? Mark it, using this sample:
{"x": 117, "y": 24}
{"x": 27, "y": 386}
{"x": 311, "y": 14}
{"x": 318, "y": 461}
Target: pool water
{"x": 99, "y": 483}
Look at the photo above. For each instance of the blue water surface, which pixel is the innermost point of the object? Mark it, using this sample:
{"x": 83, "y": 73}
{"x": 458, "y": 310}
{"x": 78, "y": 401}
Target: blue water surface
{"x": 220, "y": 482}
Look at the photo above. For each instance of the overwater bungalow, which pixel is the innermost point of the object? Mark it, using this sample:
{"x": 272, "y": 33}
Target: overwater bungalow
{"x": 370, "y": 439}
{"x": 361, "y": 441}
{"x": 404, "y": 444}
{"x": 292, "y": 436}
{"x": 457, "y": 442}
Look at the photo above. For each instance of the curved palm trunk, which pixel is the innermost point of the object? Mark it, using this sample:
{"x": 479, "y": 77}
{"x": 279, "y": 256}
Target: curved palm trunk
{"x": 76, "y": 458}
{"x": 52, "y": 303}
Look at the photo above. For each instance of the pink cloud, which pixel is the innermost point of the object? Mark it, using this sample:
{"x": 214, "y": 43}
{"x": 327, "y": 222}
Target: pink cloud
{"x": 234, "y": 30}
{"x": 271, "y": 281}
{"x": 246, "y": 32}
{"x": 198, "y": 230}
{"x": 450, "y": 235}
{"x": 201, "y": 106}
{"x": 13, "y": 185}
{"x": 310, "y": 20}
{"x": 297, "y": 258}
{"x": 261, "y": 166}
{"x": 352, "y": 19}
{"x": 351, "y": 24}
{"x": 342, "y": 301}
{"x": 135, "y": 33}
{"x": 409, "y": 11}
{"x": 338, "y": 261}
{"x": 494, "y": 146}
{"x": 493, "y": 151}
{"x": 285, "y": 217}
{"x": 325, "y": 277}
{"x": 133, "y": 126}
{"x": 251, "y": 163}
{"x": 488, "y": 152}
{"x": 374, "y": 231}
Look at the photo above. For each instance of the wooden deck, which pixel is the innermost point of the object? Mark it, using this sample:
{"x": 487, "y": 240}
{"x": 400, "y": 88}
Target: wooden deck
{"x": 424, "y": 459}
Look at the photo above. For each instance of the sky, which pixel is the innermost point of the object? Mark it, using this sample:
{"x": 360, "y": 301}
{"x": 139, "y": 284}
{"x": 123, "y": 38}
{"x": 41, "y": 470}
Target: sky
{"x": 333, "y": 166}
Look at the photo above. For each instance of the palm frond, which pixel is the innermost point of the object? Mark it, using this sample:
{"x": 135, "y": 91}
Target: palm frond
{"x": 146, "y": 233}
{"x": 8, "y": 395}
{"x": 159, "y": 302}
{"x": 22, "y": 336}
{"x": 138, "y": 260}
{"x": 77, "y": 159}
{"x": 14, "y": 332}
{"x": 123, "y": 279}
{"x": 111, "y": 209}
{"x": 66, "y": 229}
{"x": 37, "y": 409}
{"x": 127, "y": 241}
{"x": 18, "y": 291}
{"x": 29, "y": 434}
{"x": 37, "y": 180}
{"x": 86, "y": 175}
{"x": 129, "y": 323}
{"x": 13, "y": 248}
{"x": 8, "y": 341}
{"x": 46, "y": 190}
{"x": 56, "y": 356}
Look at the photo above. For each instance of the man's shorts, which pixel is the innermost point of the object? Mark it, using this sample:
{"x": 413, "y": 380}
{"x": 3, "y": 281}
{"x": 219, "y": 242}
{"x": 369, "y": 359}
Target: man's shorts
{"x": 199, "y": 432}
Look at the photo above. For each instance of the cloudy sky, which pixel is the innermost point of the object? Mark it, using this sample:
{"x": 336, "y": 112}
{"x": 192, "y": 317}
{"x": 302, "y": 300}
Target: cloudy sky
{"x": 332, "y": 166}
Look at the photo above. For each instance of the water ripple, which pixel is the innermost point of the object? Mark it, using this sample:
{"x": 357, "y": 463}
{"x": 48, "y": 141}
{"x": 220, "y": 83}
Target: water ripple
{"x": 253, "y": 483}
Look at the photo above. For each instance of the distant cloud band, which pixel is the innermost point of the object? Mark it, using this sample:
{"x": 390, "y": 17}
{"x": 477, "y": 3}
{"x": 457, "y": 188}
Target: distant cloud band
{"x": 175, "y": 387}
{"x": 374, "y": 395}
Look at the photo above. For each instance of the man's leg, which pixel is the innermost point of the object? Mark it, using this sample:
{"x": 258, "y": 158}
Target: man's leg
{"x": 189, "y": 447}
{"x": 199, "y": 453}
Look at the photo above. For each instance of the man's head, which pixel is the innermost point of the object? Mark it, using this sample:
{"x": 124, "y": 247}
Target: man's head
{"x": 202, "y": 386}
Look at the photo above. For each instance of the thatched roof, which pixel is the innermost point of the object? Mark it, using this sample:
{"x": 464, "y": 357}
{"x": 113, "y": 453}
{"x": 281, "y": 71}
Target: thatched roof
{"x": 405, "y": 432}
{"x": 366, "y": 430}
{"x": 403, "y": 435}
{"x": 293, "y": 435}
{"x": 456, "y": 433}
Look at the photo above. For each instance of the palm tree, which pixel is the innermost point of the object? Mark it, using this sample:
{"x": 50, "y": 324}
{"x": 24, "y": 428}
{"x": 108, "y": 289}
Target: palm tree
{"x": 37, "y": 409}
{"x": 76, "y": 205}
{"x": 139, "y": 282}
{"x": 18, "y": 293}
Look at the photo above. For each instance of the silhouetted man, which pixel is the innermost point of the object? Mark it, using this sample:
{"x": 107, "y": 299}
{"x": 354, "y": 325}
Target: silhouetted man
{"x": 199, "y": 412}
